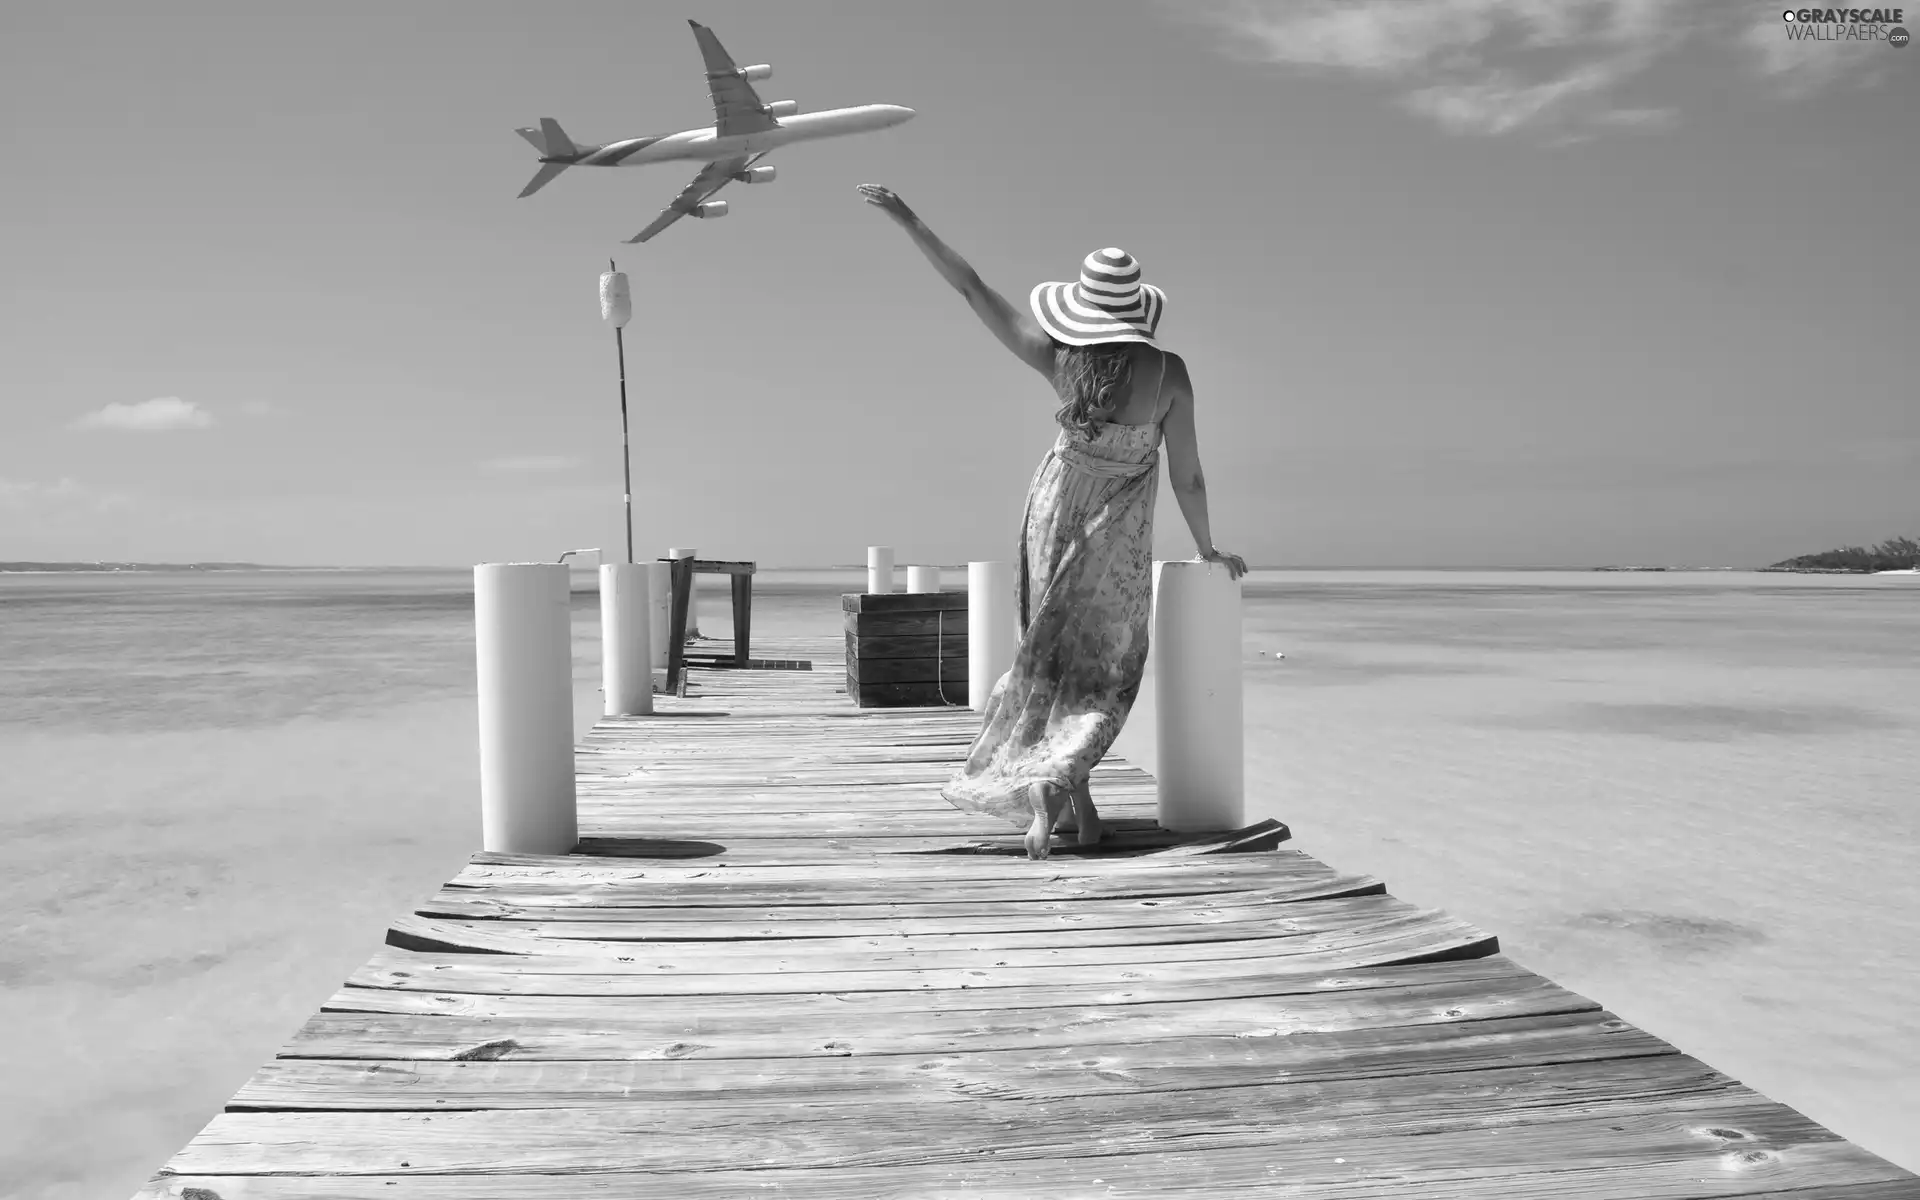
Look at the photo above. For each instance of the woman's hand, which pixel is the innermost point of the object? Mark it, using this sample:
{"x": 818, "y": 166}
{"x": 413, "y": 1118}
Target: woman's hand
{"x": 1236, "y": 566}
{"x": 885, "y": 200}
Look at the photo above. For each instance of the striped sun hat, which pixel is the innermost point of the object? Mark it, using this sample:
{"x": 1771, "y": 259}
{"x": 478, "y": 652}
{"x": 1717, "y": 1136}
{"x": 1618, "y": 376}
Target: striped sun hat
{"x": 1108, "y": 304}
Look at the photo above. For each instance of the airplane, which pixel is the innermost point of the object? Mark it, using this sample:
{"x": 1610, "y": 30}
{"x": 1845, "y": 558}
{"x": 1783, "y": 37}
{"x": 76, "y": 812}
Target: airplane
{"x": 744, "y": 131}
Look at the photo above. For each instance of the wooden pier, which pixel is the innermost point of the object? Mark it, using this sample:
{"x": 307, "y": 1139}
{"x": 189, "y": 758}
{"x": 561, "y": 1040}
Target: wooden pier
{"x": 781, "y": 966}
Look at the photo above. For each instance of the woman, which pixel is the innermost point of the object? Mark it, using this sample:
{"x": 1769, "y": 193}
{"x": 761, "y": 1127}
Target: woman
{"x": 1086, "y": 553}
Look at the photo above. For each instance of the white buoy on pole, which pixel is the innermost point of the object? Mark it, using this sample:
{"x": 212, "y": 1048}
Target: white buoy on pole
{"x": 993, "y": 633}
{"x": 616, "y": 307}
{"x": 626, "y": 641}
{"x": 660, "y": 608}
{"x": 523, "y": 626}
{"x": 923, "y": 579}
{"x": 693, "y": 590}
{"x": 879, "y": 570}
{"x": 1199, "y": 718}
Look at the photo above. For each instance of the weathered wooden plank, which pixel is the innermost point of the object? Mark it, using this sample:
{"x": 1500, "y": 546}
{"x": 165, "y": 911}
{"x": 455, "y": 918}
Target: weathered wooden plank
{"x": 953, "y": 645}
{"x": 1176, "y": 1061}
{"x": 632, "y": 798}
{"x": 893, "y": 602}
{"x": 414, "y": 932}
{"x": 1216, "y": 877}
{"x": 717, "y": 566}
{"x": 787, "y": 972}
{"x": 727, "y": 659}
{"x": 894, "y": 624}
{"x": 703, "y": 715}
{"x": 486, "y": 869}
{"x": 1282, "y": 938}
{"x": 932, "y": 746}
{"x": 866, "y": 672}
{"x": 636, "y": 806}
{"x": 952, "y": 694}
{"x": 490, "y": 935}
{"x": 1217, "y": 855}
{"x": 853, "y": 919}
{"x": 907, "y": 788}
{"x": 1492, "y": 971}
{"x": 1129, "y": 836}
{"x": 1660, "y": 1158}
{"x": 857, "y": 851}
{"x": 739, "y": 842}
{"x": 734, "y": 1027}
{"x": 716, "y": 1135}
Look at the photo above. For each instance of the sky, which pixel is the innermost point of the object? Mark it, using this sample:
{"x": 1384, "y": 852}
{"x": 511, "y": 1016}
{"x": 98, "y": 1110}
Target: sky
{"x": 1473, "y": 283}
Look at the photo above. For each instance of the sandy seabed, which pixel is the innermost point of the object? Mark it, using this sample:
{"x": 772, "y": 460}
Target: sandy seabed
{"x": 1733, "y": 874}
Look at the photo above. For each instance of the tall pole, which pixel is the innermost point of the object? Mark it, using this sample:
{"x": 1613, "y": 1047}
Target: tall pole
{"x": 626, "y": 454}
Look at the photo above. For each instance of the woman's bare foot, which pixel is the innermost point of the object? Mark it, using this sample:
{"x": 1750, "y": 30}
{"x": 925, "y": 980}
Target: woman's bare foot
{"x": 1086, "y": 818}
{"x": 1049, "y": 802}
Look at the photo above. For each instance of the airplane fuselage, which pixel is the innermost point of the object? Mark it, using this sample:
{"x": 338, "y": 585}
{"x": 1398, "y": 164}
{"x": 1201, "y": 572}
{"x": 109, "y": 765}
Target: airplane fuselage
{"x": 705, "y": 145}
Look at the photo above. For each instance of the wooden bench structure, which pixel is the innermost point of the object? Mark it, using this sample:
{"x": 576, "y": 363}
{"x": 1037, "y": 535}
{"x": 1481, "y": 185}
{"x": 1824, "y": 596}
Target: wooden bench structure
{"x": 780, "y": 966}
{"x": 740, "y": 575}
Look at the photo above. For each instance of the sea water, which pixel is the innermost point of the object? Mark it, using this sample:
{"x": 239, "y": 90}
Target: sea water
{"x": 1689, "y": 797}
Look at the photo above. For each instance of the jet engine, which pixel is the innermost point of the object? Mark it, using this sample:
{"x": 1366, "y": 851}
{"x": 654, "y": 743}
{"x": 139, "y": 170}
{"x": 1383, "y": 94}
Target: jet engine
{"x": 782, "y": 108}
{"x": 756, "y": 175}
{"x": 757, "y": 71}
{"x": 711, "y": 208}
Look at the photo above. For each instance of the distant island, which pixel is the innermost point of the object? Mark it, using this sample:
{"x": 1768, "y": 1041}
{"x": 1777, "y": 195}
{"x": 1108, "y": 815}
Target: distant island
{"x": 1895, "y": 554}
{"x": 1665, "y": 568}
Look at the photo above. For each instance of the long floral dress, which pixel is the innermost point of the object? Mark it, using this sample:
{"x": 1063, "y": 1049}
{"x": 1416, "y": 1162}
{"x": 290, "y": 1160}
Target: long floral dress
{"x": 1086, "y": 595}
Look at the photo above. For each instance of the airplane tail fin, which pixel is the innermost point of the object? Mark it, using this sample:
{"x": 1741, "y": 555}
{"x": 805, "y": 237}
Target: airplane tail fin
{"x": 558, "y": 144}
{"x": 553, "y": 143}
{"x": 541, "y": 178}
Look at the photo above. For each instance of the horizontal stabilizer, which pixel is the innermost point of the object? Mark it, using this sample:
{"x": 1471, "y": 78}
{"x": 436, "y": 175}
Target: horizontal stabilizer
{"x": 541, "y": 178}
{"x": 532, "y": 134}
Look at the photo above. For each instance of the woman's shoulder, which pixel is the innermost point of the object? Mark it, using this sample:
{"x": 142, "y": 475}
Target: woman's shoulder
{"x": 1173, "y": 368}
{"x": 1150, "y": 353}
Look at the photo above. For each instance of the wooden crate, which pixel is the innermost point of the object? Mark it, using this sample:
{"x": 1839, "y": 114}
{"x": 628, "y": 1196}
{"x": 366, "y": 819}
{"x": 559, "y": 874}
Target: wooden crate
{"x": 906, "y": 648}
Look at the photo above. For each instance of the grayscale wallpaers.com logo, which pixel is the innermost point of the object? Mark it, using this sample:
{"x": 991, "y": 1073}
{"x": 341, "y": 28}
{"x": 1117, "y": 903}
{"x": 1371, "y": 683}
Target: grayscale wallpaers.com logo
{"x": 1847, "y": 25}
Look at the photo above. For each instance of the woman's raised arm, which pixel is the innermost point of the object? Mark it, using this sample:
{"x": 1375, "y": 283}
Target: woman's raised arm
{"x": 1017, "y": 330}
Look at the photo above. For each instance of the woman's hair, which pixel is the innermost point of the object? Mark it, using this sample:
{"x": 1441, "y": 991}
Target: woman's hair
{"x": 1087, "y": 378}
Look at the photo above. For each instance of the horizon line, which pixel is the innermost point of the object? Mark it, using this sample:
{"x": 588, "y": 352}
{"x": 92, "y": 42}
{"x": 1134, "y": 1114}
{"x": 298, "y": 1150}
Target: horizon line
{"x": 89, "y": 566}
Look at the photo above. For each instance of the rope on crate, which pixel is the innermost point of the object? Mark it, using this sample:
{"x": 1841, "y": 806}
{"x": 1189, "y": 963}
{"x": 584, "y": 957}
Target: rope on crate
{"x": 940, "y": 656}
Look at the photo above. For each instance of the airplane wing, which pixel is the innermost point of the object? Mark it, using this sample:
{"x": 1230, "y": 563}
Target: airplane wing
{"x": 712, "y": 177}
{"x": 737, "y": 108}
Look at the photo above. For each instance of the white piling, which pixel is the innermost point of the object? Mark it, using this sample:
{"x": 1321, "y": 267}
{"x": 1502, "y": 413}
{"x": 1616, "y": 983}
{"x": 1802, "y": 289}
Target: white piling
{"x": 659, "y": 609}
{"x": 879, "y": 570}
{"x": 1200, "y": 729}
{"x": 523, "y": 636}
{"x": 626, "y": 641}
{"x": 693, "y": 590}
{"x": 993, "y": 634}
{"x": 923, "y": 579}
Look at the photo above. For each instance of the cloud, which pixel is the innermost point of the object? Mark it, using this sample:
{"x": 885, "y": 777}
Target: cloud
{"x": 148, "y": 416}
{"x": 1637, "y": 118}
{"x": 532, "y": 462}
{"x": 1492, "y": 67}
{"x": 1485, "y": 67}
{"x": 1802, "y": 66}
{"x": 63, "y": 496}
